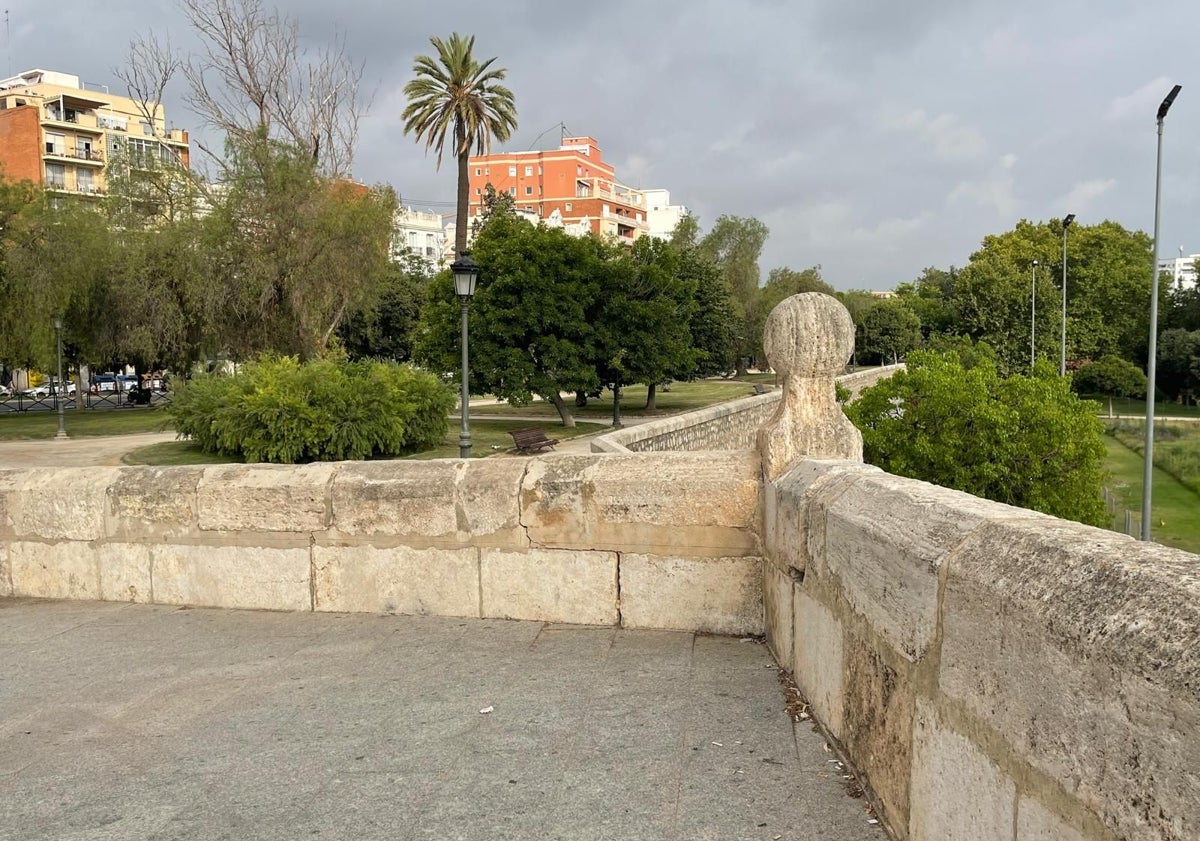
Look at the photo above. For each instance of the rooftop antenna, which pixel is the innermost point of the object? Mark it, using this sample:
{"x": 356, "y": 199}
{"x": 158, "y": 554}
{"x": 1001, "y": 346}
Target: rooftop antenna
{"x": 562, "y": 134}
{"x": 7, "y": 44}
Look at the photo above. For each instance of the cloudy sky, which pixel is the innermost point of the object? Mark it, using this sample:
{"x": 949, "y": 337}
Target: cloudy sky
{"x": 873, "y": 138}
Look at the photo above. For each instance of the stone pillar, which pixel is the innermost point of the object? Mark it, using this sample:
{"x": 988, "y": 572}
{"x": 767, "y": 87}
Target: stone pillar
{"x": 808, "y": 339}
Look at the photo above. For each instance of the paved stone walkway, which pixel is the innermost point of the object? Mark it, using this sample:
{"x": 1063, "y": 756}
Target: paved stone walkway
{"x": 146, "y": 722}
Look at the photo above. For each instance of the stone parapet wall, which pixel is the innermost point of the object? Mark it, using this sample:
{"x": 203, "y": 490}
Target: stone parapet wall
{"x": 663, "y": 541}
{"x": 726, "y": 426}
{"x": 994, "y": 673}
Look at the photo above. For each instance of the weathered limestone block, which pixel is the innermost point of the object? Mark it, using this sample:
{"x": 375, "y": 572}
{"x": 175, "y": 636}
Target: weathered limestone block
{"x": 62, "y": 503}
{"x": 68, "y": 570}
{"x": 365, "y": 579}
{"x": 819, "y": 665}
{"x": 884, "y": 539}
{"x": 125, "y": 572}
{"x": 550, "y": 585}
{"x": 777, "y": 605}
{"x": 710, "y": 595}
{"x": 957, "y": 792}
{"x": 1037, "y": 823}
{"x": 251, "y": 577}
{"x": 10, "y": 485}
{"x": 807, "y": 340}
{"x": 787, "y": 512}
{"x": 1081, "y": 648}
{"x": 434, "y": 503}
{"x": 877, "y": 721}
{"x": 6, "y": 584}
{"x": 155, "y": 503}
{"x": 264, "y": 497}
{"x": 694, "y": 504}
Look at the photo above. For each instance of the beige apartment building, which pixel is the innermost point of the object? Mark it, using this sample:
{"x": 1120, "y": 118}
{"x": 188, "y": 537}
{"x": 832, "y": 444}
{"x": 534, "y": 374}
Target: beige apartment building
{"x": 61, "y": 133}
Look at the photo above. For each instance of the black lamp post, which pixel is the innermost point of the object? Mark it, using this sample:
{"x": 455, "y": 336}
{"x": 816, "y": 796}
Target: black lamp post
{"x": 1152, "y": 351}
{"x": 58, "y": 388}
{"x": 1062, "y": 354}
{"x": 466, "y": 272}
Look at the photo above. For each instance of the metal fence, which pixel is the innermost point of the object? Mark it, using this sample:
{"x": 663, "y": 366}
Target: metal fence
{"x": 91, "y": 400}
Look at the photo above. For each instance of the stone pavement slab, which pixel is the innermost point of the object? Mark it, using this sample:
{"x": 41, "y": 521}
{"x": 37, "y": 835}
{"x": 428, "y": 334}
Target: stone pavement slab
{"x": 150, "y": 722}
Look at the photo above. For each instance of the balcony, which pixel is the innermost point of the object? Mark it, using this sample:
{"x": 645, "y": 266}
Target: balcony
{"x": 85, "y": 123}
{"x": 78, "y": 156}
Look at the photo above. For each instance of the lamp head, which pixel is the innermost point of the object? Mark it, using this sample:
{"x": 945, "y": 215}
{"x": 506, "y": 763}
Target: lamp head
{"x": 57, "y": 322}
{"x": 1067, "y": 222}
{"x": 466, "y": 272}
{"x": 1166, "y": 103}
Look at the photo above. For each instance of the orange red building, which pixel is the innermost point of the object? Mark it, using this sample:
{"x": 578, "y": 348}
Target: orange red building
{"x": 571, "y": 186}
{"x": 59, "y": 133}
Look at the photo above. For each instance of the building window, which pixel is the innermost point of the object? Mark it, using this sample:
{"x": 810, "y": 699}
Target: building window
{"x": 478, "y": 171}
{"x": 478, "y": 191}
{"x": 529, "y": 191}
{"x": 568, "y": 206}
{"x": 56, "y": 144}
{"x": 512, "y": 172}
{"x": 56, "y": 176}
{"x": 529, "y": 170}
{"x": 539, "y": 169}
{"x": 578, "y": 170}
{"x": 512, "y": 191}
{"x": 83, "y": 180}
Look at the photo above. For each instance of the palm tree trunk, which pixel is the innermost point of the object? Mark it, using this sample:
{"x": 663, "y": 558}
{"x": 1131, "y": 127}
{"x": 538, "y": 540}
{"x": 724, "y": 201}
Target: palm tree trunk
{"x": 464, "y": 193}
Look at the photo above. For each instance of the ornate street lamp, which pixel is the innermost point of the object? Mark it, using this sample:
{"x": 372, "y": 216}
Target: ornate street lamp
{"x": 1062, "y": 353}
{"x": 466, "y": 273}
{"x": 1152, "y": 351}
{"x": 59, "y": 388}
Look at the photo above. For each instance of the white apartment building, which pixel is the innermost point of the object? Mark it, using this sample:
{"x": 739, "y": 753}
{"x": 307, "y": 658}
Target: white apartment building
{"x": 1182, "y": 269}
{"x": 661, "y": 215}
{"x": 420, "y": 233}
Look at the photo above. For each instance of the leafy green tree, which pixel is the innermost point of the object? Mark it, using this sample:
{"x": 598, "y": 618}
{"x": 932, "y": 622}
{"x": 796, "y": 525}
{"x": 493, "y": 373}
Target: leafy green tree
{"x": 929, "y": 298}
{"x": 969, "y": 353}
{"x": 456, "y": 96}
{"x": 385, "y": 327}
{"x": 1025, "y": 441}
{"x": 1108, "y": 291}
{"x": 1184, "y": 310}
{"x": 531, "y": 323}
{"x": 1178, "y": 372}
{"x": 1110, "y": 376}
{"x": 642, "y": 320}
{"x": 734, "y": 244}
{"x": 889, "y": 330}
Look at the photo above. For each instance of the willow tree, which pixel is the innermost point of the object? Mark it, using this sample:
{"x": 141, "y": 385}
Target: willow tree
{"x": 455, "y": 95}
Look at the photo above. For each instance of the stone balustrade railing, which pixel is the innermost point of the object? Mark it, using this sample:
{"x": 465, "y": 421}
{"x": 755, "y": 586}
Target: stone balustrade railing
{"x": 994, "y": 674}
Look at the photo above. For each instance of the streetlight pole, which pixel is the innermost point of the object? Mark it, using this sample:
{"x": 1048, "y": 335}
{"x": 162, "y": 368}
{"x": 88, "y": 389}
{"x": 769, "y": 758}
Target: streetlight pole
{"x": 58, "y": 389}
{"x": 1062, "y": 351}
{"x": 466, "y": 272}
{"x": 1152, "y": 351}
{"x": 1033, "y": 320}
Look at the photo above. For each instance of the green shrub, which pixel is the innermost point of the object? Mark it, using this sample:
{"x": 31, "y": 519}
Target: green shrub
{"x": 278, "y": 410}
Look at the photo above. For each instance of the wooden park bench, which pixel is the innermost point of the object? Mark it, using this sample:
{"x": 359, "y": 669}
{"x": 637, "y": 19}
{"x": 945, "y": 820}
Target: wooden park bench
{"x": 532, "y": 440}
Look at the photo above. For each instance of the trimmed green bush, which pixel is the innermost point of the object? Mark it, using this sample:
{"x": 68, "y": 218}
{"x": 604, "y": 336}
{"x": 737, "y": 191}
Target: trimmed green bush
{"x": 276, "y": 409}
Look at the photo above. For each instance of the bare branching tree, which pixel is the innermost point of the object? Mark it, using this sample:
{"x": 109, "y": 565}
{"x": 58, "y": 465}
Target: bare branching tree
{"x": 253, "y": 78}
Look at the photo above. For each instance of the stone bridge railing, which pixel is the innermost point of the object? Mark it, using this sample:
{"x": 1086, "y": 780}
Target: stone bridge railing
{"x": 993, "y": 674}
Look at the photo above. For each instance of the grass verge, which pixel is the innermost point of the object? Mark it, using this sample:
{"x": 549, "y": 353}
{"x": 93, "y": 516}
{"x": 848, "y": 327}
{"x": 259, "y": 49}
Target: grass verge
{"x": 1176, "y": 518}
{"x": 31, "y": 426}
{"x": 683, "y": 397}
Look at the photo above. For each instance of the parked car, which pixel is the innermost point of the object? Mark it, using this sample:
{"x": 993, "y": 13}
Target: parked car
{"x": 5, "y": 391}
{"x": 48, "y": 388}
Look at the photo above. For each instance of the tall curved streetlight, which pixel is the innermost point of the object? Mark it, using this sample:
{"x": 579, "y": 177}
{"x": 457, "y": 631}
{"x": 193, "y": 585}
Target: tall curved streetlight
{"x": 1062, "y": 354}
{"x": 1033, "y": 319}
{"x": 1152, "y": 351}
{"x": 466, "y": 273}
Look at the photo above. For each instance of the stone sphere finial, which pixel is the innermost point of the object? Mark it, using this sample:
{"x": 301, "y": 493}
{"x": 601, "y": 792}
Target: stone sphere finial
{"x": 807, "y": 339}
{"x": 811, "y": 335}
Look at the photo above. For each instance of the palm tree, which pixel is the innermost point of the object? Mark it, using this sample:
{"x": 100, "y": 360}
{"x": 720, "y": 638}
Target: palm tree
{"x": 455, "y": 93}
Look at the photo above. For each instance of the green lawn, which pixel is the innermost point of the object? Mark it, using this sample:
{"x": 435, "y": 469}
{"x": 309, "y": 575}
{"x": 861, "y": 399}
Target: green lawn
{"x": 683, "y": 397}
{"x": 1123, "y": 406}
{"x": 28, "y": 426}
{"x": 1176, "y": 509}
{"x": 488, "y": 437}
